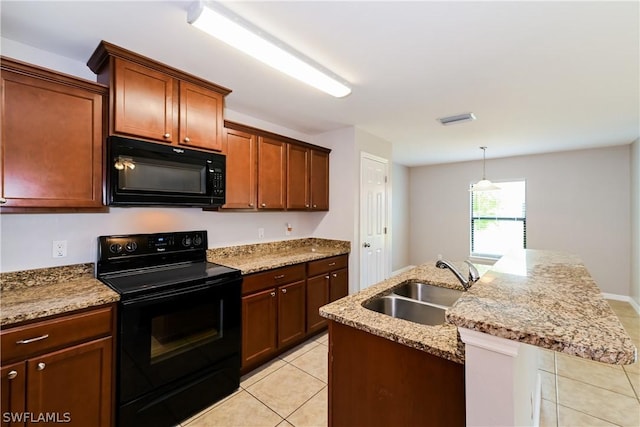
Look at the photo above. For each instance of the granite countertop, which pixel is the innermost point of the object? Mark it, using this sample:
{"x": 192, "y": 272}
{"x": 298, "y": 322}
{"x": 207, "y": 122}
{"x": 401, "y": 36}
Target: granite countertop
{"x": 33, "y": 294}
{"x": 265, "y": 256}
{"x": 542, "y": 298}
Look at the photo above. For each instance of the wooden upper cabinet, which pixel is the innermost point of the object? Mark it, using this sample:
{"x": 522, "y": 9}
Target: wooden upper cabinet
{"x": 319, "y": 180}
{"x": 156, "y": 102}
{"x": 200, "y": 117}
{"x": 51, "y": 142}
{"x": 143, "y": 102}
{"x": 240, "y": 148}
{"x": 298, "y": 158}
{"x": 272, "y": 166}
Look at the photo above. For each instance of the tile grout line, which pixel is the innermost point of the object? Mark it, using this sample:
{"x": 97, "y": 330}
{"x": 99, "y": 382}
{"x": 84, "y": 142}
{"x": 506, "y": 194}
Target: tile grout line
{"x": 304, "y": 403}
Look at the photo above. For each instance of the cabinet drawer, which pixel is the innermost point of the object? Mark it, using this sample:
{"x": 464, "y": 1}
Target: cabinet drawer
{"x": 25, "y": 341}
{"x": 272, "y": 278}
{"x": 327, "y": 264}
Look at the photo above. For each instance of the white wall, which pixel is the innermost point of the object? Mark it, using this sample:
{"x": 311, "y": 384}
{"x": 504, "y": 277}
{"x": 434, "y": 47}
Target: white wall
{"x": 577, "y": 201}
{"x": 400, "y": 217}
{"x": 635, "y": 221}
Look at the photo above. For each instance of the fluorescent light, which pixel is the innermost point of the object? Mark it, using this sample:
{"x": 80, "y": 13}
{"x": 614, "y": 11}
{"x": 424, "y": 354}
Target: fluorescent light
{"x": 466, "y": 117}
{"x": 219, "y": 23}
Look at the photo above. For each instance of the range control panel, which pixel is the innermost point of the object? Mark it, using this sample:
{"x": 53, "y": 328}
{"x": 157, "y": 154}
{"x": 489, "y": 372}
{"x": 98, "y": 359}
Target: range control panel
{"x": 147, "y": 244}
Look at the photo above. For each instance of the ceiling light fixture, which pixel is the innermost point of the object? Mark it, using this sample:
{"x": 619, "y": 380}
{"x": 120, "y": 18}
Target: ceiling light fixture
{"x": 484, "y": 184}
{"x": 220, "y": 23}
{"x": 450, "y": 120}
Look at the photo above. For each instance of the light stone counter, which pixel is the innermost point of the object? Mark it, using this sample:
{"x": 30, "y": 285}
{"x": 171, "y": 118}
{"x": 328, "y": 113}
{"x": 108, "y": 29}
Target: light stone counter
{"x": 265, "y": 256}
{"x": 543, "y": 298}
{"x": 33, "y": 294}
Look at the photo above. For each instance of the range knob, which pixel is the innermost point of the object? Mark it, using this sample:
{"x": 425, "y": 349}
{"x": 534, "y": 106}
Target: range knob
{"x": 197, "y": 240}
{"x": 115, "y": 248}
{"x": 130, "y": 246}
{"x": 186, "y": 241}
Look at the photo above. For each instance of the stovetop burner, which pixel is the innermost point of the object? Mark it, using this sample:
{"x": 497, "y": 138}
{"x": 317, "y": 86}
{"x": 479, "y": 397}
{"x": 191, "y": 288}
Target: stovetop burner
{"x": 142, "y": 263}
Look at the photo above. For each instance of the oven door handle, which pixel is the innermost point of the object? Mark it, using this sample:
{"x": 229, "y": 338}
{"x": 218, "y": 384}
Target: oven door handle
{"x": 154, "y": 298}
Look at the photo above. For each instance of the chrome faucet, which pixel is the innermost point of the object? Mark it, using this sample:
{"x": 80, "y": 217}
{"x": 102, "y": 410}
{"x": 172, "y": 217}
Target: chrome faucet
{"x": 466, "y": 283}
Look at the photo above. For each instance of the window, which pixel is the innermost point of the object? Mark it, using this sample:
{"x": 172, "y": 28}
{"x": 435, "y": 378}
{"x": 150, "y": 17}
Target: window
{"x": 498, "y": 220}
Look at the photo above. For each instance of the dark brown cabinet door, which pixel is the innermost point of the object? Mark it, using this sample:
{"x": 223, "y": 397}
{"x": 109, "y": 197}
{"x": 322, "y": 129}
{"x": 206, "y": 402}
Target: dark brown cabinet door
{"x": 12, "y": 393}
{"x": 144, "y": 102}
{"x": 319, "y": 180}
{"x": 73, "y": 383}
{"x": 51, "y": 141}
{"x": 339, "y": 285}
{"x": 272, "y": 166}
{"x": 241, "y": 169}
{"x": 298, "y": 195}
{"x": 291, "y": 313}
{"x": 200, "y": 117}
{"x": 317, "y": 296}
{"x": 258, "y": 326}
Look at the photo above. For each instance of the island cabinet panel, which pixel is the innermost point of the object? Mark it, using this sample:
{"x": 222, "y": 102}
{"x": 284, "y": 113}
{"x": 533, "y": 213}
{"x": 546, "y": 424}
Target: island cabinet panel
{"x": 143, "y": 102}
{"x": 241, "y": 151}
{"x": 319, "y": 179}
{"x": 61, "y": 366}
{"x": 298, "y": 165}
{"x": 51, "y": 142}
{"x": 374, "y": 381}
{"x": 272, "y": 166}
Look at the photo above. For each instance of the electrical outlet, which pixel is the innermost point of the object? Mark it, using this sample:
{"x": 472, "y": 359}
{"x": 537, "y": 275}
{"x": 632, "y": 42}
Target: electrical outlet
{"x": 288, "y": 229}
{"x": 260, "y": 233}
{"x": 59, "y": 249}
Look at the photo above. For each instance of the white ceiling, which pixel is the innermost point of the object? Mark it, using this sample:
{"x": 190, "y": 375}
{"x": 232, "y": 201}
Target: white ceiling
{"x": 539, "y": 76}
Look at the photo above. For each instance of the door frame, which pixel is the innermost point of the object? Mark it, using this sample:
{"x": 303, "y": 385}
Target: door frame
{"x": 387, "y": 209}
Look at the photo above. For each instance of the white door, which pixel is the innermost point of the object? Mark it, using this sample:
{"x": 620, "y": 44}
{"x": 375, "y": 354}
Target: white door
{"x": 373, "y": 220}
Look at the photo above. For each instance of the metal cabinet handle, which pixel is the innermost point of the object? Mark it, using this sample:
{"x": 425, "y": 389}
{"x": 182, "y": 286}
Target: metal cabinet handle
{"x": 284, "y": 291}
{"x": 166, "y": 135}
{"x": 12, "y": 374}
{"x": 186, "y": 139}
{"x": 331, "y": 264}
{"x": 30, "y": 340}
{"x": 41, "y": 366}
{"x": 3, "y": 200}
{"x": 273, "y": 294}
{"x": 279, "y": 276}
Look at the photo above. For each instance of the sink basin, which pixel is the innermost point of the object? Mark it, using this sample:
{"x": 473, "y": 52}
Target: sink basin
{"x": 428, "y": 293}
{"x": 407, "y": 309}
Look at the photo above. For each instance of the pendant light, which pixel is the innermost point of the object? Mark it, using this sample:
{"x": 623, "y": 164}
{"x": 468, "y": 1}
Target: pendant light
{"x": 484, "y": 184}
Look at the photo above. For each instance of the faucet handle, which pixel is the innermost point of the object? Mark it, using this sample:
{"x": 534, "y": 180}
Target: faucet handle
{"x": 474, "y": 276}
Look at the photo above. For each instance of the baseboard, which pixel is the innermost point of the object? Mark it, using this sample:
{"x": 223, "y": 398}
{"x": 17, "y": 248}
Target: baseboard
{"x": 402, "y": 270}
{"x": 624, "y": 298}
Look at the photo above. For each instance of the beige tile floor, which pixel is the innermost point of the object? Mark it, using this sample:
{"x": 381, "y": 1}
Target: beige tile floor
{"x": 292, "y": 389}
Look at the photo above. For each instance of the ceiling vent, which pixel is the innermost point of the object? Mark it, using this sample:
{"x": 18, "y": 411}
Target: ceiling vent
{"x": 466, "y": 117}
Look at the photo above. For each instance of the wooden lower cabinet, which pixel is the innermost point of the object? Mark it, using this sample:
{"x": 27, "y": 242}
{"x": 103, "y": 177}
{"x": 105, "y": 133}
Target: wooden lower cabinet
{"x": 375, "y": 382}
{"x": 291, "y": 313}
{"x": 58, "y": 376}
{"x": 259, "y": 332}
{"x": 317, "y": 296}
{"x": 328, "y": 281}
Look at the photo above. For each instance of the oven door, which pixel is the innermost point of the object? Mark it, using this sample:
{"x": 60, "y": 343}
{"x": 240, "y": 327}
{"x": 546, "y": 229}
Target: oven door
{"x": 167, "y": 336}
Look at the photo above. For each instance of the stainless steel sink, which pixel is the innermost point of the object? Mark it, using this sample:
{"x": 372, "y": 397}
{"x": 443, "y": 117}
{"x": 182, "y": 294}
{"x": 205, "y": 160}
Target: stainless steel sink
{"x": 428, "y": 293}
{"x": 407, "y": 309}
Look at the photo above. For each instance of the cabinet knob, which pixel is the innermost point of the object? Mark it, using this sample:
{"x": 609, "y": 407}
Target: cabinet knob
{"x": 41, "y": 366}
{"x": 186, "y": 139}
{"x": 284, "y": 291}
{"x": 3, "y": 200}
{"x": 264, "y": 205}
{"x": 250, "y": 205}
{"x": 273, "y": 294}
{"x": 166, "y": 135}
{"x": 315, "y": 206}
{"x": 306, "y": 206}
{"x": 335, "y": 274}
{"x": 12, "y": 374}
{"x": 326, "y": 277}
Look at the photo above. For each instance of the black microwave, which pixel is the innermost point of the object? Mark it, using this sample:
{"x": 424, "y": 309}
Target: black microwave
{"x": 143, "y": 173}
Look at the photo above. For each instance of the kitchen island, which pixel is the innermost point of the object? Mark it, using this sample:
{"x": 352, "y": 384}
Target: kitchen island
{"x": 529, "y": 299}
